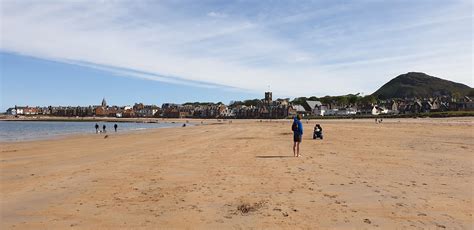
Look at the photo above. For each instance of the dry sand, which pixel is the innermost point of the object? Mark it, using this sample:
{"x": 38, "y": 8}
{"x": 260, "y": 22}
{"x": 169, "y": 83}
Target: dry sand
{"x": 412, "y": 173}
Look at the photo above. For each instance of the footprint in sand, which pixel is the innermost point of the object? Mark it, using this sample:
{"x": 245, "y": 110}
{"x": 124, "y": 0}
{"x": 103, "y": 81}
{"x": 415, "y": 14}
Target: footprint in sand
{"x": 330, "y": 196}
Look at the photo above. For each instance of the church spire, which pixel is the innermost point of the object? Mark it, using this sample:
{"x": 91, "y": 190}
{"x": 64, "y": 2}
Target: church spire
{"x": 104, "y": 103}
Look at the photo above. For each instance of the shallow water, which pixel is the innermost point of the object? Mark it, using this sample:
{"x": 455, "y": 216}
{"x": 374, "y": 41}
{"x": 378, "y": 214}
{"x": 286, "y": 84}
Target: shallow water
{"x": 34, "y": 130}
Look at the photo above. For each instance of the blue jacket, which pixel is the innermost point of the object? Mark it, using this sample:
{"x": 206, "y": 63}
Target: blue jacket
{"x": 300, "y": 126}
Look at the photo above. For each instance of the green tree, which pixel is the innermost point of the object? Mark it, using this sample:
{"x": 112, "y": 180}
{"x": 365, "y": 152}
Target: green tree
{"x": 342, "y": 100}
{"x": 253, "y": 102}
{"x": 369, "y": 99}
{"x": 353, "y": 99}
{"x": 456, "y": 95}
{"x": 326, "y": 100}
{"x": 299, "y": 101}
{"x": 471, "y": 93}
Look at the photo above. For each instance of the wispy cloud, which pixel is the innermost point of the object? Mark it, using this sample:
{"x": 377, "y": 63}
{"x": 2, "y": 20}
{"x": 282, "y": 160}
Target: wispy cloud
{"x": 297, "y": 49}
{"x": 216, "y": 14}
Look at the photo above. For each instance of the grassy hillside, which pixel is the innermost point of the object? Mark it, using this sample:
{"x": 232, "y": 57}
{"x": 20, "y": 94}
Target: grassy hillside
{"x": 420, "y": 85}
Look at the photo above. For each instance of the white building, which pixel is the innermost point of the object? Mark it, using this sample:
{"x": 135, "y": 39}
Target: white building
{"x": 20, "y": 110}
{"x": 379, "y": 110}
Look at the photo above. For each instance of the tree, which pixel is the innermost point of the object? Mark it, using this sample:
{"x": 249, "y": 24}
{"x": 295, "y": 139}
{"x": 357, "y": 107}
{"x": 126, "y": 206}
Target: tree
{"x": 353, "y": 99}
{"x": 253, "y": 102}
{"x": 456, "y": 95}
{"x": 471, "y": 93}
{"x": 299, "y": 101}
{"x": 369, "y": 99}
{"x": 342, "y": 100}
{"x": 326, "y": 100}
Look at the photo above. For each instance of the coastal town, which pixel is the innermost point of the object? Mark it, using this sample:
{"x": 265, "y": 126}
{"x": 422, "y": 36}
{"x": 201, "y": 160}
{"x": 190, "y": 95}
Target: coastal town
{"x": 267, "y": 108}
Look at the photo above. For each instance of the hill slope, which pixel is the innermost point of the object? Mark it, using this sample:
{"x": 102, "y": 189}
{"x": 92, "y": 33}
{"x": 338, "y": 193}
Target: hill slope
{"x": 415, "y": 84}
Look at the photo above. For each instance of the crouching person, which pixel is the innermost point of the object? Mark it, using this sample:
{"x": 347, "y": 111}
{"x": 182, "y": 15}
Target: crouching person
{"x": 318, "y": 132}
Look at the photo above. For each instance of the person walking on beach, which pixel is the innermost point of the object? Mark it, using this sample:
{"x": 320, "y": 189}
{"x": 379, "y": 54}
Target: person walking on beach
{"x": 115, "y": 127}
{"x": 297, "y": 128}
{"x": 103, "y": 128}
{"x": 96, "y": 128}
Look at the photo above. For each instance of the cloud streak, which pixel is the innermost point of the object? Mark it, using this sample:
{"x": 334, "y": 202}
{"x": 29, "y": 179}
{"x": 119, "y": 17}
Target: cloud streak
{"x": 297, "y": 49}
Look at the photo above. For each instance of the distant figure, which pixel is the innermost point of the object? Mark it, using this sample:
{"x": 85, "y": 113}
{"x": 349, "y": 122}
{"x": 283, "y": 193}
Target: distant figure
{"x": 184, "y": 125}
{"x": 103, "y": 128}
{"x": 318, "y": 132}
{"x": 115, "y": 127}
{"x": 96, "y": 128}
{"x": 376, "y": 121}
{"x": 297, "y": 128}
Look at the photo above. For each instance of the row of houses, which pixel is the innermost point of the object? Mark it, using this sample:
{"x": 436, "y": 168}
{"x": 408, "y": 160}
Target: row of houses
{"x": 266, "y": 108}
{"x": 397, "y": 106}
{"x": 103, "y": 110}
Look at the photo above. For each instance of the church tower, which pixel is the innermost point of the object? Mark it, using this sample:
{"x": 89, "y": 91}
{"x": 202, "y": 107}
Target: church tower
{"x": 268, "y": 97}
{"x": 104, "y": 103}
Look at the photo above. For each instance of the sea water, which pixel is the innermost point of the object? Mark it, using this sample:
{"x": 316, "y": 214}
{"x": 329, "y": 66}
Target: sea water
{"x": 34, "y": 130}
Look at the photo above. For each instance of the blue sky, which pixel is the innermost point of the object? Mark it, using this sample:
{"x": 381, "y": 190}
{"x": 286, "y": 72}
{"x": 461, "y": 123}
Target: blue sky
{"x": 76, "y": 52}
{"x": 33, "y": 81}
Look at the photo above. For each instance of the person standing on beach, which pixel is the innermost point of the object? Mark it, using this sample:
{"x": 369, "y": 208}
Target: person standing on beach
{"x": 103, "y": 128}
{"x": 297, "y": 128}
{"x": 96, "y": 128}
{"x": 115, "y": 127}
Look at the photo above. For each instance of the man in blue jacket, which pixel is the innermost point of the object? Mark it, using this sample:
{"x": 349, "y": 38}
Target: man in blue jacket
{"x": 297, "y": 128}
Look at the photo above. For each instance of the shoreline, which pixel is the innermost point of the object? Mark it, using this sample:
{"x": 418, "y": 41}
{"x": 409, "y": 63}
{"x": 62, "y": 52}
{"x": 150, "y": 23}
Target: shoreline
{"x": 76, "y": 134}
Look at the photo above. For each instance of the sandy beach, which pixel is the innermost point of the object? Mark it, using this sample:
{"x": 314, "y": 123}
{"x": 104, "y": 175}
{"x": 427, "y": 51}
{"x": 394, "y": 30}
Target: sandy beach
{"x": 401, "y": 174}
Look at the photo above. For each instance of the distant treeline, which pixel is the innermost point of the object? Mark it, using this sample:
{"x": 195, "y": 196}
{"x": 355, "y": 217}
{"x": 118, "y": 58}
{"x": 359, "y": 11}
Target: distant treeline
{"x": 350, "y": 99}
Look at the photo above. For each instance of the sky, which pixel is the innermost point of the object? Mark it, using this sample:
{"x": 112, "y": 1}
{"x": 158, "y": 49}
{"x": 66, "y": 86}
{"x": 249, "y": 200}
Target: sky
{"x": 77, "y": 52}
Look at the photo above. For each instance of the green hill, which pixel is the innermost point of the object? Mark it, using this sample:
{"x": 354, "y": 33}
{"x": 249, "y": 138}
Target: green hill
{"x": 420, "y": 85}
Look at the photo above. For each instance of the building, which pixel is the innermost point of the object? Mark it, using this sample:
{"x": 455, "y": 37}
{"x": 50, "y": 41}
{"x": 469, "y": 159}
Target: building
{"x": 104, "y": 103}
{"x": 170, "y": 110}
{"x": 142, "y": 110}
{"x": 11, "y": 111}
{"x": 315, "y": 108}
{"x": 268, "y": 97}
{"x": 299, "y": 109}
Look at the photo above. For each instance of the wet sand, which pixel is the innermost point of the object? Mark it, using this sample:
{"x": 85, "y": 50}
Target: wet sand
{"x": 408, "y": 173}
